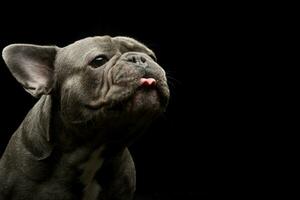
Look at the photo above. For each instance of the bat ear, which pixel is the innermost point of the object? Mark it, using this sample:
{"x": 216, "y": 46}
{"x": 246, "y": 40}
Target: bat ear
{"x": 32, "y": 66}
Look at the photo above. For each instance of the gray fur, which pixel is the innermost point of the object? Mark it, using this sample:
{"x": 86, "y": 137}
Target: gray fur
{"x": 73, "y": 143}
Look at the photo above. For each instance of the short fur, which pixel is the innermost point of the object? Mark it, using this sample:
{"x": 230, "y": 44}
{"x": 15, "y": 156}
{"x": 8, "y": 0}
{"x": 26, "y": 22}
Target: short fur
{"x": 73, "y": 143}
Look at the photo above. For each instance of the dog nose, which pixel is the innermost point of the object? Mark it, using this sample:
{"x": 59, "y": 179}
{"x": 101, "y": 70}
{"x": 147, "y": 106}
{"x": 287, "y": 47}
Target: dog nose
{"x": 137, "y": 59}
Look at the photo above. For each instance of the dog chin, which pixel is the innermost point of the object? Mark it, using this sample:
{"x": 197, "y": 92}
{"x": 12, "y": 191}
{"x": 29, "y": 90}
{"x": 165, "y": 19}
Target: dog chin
{"x": 145, "y": 100}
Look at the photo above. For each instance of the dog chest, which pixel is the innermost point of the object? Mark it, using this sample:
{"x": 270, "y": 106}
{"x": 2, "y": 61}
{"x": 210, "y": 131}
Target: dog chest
{"x": 89, "y": 169}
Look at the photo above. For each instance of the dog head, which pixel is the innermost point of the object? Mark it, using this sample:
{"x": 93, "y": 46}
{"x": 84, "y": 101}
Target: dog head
{"x": 104, "y": 80}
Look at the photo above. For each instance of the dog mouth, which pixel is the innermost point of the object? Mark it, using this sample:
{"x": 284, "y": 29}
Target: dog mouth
{"x": 147, "y": 95}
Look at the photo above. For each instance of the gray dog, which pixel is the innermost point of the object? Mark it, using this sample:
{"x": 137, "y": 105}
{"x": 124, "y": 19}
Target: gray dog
{"x": 97, "y": 96}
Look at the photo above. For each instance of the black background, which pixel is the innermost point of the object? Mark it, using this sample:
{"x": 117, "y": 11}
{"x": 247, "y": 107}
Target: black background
{"x": 199, "y": 147}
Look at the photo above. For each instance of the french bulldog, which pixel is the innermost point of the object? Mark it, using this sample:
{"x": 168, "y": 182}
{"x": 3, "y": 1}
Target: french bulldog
{"x": 96, "y": 97}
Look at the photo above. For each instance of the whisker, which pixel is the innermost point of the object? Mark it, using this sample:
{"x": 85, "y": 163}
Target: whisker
{"x": 172, "y": 82}
{"x": 172, "y": 72}
{"x": 171, "y": 85}
{"x": 171, "y": 76}
{"x": 174, "y": 79}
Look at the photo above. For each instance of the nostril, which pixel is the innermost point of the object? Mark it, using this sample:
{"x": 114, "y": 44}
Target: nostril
{"x": 137, "y": 59}
{"x": 133, "y": 59}
{"x": 143, "y": 59}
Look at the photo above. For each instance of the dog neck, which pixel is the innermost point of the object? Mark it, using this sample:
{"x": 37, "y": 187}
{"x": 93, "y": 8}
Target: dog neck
{"x": 59, "y": 152}
{"x": 46, "y": 130}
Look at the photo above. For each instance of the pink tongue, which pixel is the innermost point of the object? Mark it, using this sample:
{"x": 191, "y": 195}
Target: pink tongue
{"x": 147, "y": 81}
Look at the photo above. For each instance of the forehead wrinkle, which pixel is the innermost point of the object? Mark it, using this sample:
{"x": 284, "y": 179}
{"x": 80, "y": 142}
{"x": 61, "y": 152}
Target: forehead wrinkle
{"x": 76, "y": 54}
{"x": 127, "y": 44}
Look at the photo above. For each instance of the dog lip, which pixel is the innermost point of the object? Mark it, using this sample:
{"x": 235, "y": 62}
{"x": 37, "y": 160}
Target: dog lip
{"x": 95, "y": 105}
{"x": 144, "y": 84}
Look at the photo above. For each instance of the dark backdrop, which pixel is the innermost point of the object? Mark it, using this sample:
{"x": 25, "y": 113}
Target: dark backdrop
{"x": 197, "y": 148}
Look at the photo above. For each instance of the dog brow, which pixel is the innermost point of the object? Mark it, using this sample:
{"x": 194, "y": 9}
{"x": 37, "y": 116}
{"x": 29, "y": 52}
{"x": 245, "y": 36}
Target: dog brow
{"x": 128, "y": 44}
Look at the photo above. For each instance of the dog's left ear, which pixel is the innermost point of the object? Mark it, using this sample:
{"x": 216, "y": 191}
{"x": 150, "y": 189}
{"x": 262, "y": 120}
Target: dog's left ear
{"x": 32, "y": 66}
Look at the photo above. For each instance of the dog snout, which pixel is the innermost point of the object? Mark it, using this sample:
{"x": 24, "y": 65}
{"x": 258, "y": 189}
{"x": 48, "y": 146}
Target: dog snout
{"x": 138, "y": 59}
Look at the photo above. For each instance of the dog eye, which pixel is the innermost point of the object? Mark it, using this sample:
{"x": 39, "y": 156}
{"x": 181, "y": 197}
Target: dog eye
{"x": 99, "y": 61}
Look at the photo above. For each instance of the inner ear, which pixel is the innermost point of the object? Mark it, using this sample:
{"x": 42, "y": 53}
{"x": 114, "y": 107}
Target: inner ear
{"x": 32, "y": 66}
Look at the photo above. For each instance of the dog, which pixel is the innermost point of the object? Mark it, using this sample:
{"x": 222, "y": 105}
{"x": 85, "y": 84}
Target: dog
{"x": 96, "y": 97}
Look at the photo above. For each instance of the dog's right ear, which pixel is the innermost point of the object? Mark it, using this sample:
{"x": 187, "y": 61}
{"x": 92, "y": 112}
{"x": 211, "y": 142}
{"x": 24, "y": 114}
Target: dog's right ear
{"x": 32, "y": 66}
